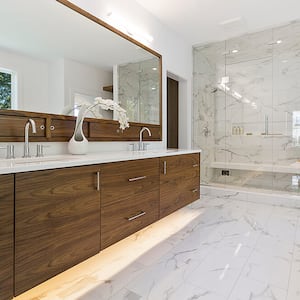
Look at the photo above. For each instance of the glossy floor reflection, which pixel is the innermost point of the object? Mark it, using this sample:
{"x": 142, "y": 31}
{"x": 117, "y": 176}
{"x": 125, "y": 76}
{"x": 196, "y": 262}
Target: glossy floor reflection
{"x": 215, "y": 249}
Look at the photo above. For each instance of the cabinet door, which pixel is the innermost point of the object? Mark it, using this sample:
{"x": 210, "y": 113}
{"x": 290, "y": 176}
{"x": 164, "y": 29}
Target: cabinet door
{"x": 129, "y": 198}
{"x": 57, "y": 222}
{"x": 179, "y": 182}
{"x": 6, "y": 235}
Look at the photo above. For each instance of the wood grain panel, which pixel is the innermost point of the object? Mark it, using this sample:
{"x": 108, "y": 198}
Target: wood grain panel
{"x": 178, "y": 163}
{"x": 57, "y": 222}
{"x": 114, "y": 218}
{"x": 14, "y": 126}
{"x": 122, "y": 198}
{"x": 111, "y": 131}
{"x": 177, "y": 193}
{"x": 6, "y": 235}
{"x": 65, "y": 128}
{"x": 179, "y": 182}
{"x": 115, "y": 184}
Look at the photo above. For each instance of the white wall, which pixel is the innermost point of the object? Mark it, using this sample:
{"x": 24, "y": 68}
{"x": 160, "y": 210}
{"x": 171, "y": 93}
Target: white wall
{"x": 176, "y": 59}
{"x": 85, "y": 79}
{"x": 32, "y": 77}
{"x": 176, "y": 54}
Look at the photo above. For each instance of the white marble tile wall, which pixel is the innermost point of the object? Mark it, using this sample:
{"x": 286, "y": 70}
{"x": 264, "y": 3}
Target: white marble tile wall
{"x": 260, "y": 81}
{"x": 218, "y": 248}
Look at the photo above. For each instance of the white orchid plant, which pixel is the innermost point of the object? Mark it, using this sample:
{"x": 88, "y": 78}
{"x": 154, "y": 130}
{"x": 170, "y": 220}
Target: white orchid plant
{"x": 105, "y": 104}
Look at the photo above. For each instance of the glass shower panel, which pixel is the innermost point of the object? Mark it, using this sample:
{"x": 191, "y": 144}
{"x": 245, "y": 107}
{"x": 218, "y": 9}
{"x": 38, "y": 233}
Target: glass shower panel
{"x": 286, "y": 104}
{"x": 208, "y": 108}
{"x": 249, "y": 110}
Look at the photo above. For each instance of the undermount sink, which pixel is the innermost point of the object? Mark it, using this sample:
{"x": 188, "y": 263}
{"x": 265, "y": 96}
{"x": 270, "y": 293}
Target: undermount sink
{"x": 36, "y": 160}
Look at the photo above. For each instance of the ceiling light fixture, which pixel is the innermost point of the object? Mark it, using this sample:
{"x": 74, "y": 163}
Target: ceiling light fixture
{"x": 129, "y": 29}
{"x": 278, "y": 41}
{"x": 235, "y": 51}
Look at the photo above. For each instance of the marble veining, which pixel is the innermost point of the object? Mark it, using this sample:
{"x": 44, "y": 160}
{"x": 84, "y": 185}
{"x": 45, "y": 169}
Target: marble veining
{"x": 223, "y": 247}
{"x": 242, "y": 89}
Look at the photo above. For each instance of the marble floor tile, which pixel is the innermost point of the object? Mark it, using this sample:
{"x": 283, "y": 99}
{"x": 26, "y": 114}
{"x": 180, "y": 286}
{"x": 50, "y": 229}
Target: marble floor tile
{"x": 188, "y": 291}
{"x": 268, "y": 269}
{"x": 217, "y": 248}
{"x": 246, "y": 289}
{"x": 294, "y": 282}
{"x": 220, "y": 269}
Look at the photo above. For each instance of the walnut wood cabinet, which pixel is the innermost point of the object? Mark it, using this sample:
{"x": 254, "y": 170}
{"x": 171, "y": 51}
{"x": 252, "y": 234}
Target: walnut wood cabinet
{"x": 6, "y": 235}
{"x": 179, "y": 181}
{"x": 129, "y": 198}
{"x": 51, "y": 220}
{"x": 57, "y": 222}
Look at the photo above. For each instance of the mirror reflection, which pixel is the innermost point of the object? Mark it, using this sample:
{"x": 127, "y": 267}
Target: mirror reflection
{"x": 53, "y": 60}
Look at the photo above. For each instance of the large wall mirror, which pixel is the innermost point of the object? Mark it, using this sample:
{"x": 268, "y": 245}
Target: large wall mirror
{"x": 54, "y": 59}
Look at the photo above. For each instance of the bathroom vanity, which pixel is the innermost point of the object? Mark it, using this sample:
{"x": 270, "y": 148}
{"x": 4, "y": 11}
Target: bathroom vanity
{"x": 58, "y": 211}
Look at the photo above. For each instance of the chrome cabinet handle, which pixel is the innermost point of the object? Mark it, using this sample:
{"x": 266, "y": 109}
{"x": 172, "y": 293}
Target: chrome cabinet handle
{"x": 137, "y": 178}
{"x": 165, "y": 168}
{"x": 98, "y": 181}
{"x": 194, "y": 190}
{"x": 142, "y": 213}
{"x": 195, "y": 165}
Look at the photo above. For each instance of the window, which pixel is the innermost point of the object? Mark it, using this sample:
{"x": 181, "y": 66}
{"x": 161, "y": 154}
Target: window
{"x": 8, "y": 85}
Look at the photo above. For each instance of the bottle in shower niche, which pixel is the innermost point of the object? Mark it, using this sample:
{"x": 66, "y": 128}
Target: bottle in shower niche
{"x": 234, "y": 130}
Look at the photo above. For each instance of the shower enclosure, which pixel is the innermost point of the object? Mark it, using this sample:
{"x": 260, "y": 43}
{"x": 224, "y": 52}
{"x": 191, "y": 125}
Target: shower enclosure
{"x": 247, "y": 110}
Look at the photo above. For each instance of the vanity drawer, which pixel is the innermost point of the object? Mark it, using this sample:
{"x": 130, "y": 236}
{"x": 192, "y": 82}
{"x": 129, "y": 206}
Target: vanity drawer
{"x": 178, "y": 164}
{"x": 122, "y": 180}
{"x": 178, "y": 193}
{"x": 179, "y": 182}
{"x": 127, "y": 216}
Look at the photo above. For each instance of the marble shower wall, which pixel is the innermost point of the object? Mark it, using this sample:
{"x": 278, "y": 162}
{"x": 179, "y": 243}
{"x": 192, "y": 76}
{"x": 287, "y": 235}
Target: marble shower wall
{"x": 240, "y": 85}
{"x": 139, "y": 90}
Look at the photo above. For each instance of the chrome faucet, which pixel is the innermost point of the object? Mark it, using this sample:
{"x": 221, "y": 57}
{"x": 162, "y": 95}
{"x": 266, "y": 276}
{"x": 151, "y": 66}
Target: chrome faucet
{"x": 26, "y": 136}
{"x": 141, "y": 137}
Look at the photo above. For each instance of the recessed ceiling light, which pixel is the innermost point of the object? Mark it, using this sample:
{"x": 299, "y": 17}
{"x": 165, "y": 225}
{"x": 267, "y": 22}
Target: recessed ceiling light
{"x": 154, "y": 69}
{"x": 237, "y": 95}
{"x": 235, "y": 51}
{"x": 278, "y": 41}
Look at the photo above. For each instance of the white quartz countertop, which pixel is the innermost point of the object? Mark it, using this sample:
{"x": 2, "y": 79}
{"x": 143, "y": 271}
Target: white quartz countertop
{"x": 17, "y": 165}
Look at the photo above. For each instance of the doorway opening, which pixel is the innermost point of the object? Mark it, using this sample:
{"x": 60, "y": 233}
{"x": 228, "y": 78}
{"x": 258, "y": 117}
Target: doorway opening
{"x": 172, "y": 113}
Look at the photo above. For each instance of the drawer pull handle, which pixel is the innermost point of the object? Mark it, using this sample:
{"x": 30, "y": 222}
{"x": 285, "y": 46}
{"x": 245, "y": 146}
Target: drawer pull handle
{"x": 165, "y": 168}
{"x": 195, "y": 165}
{"x": 98, "y": 181}
{"x": 194, "y": 190}
{"x": 137, "y": 178}
{"x": 142, "y": 213}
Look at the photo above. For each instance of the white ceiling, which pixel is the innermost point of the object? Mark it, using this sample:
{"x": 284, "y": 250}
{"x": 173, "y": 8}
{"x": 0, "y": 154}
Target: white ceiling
{"x": 49, "y": 30}
{"x": 199, "y": 21}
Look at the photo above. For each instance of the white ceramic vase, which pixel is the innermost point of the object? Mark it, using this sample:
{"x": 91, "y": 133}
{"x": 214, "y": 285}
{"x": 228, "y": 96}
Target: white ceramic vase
{"x": 78, "y": 144}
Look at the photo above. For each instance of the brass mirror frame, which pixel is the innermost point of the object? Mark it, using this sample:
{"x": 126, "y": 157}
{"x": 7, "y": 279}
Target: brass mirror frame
{"x": 128, "y": 38}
